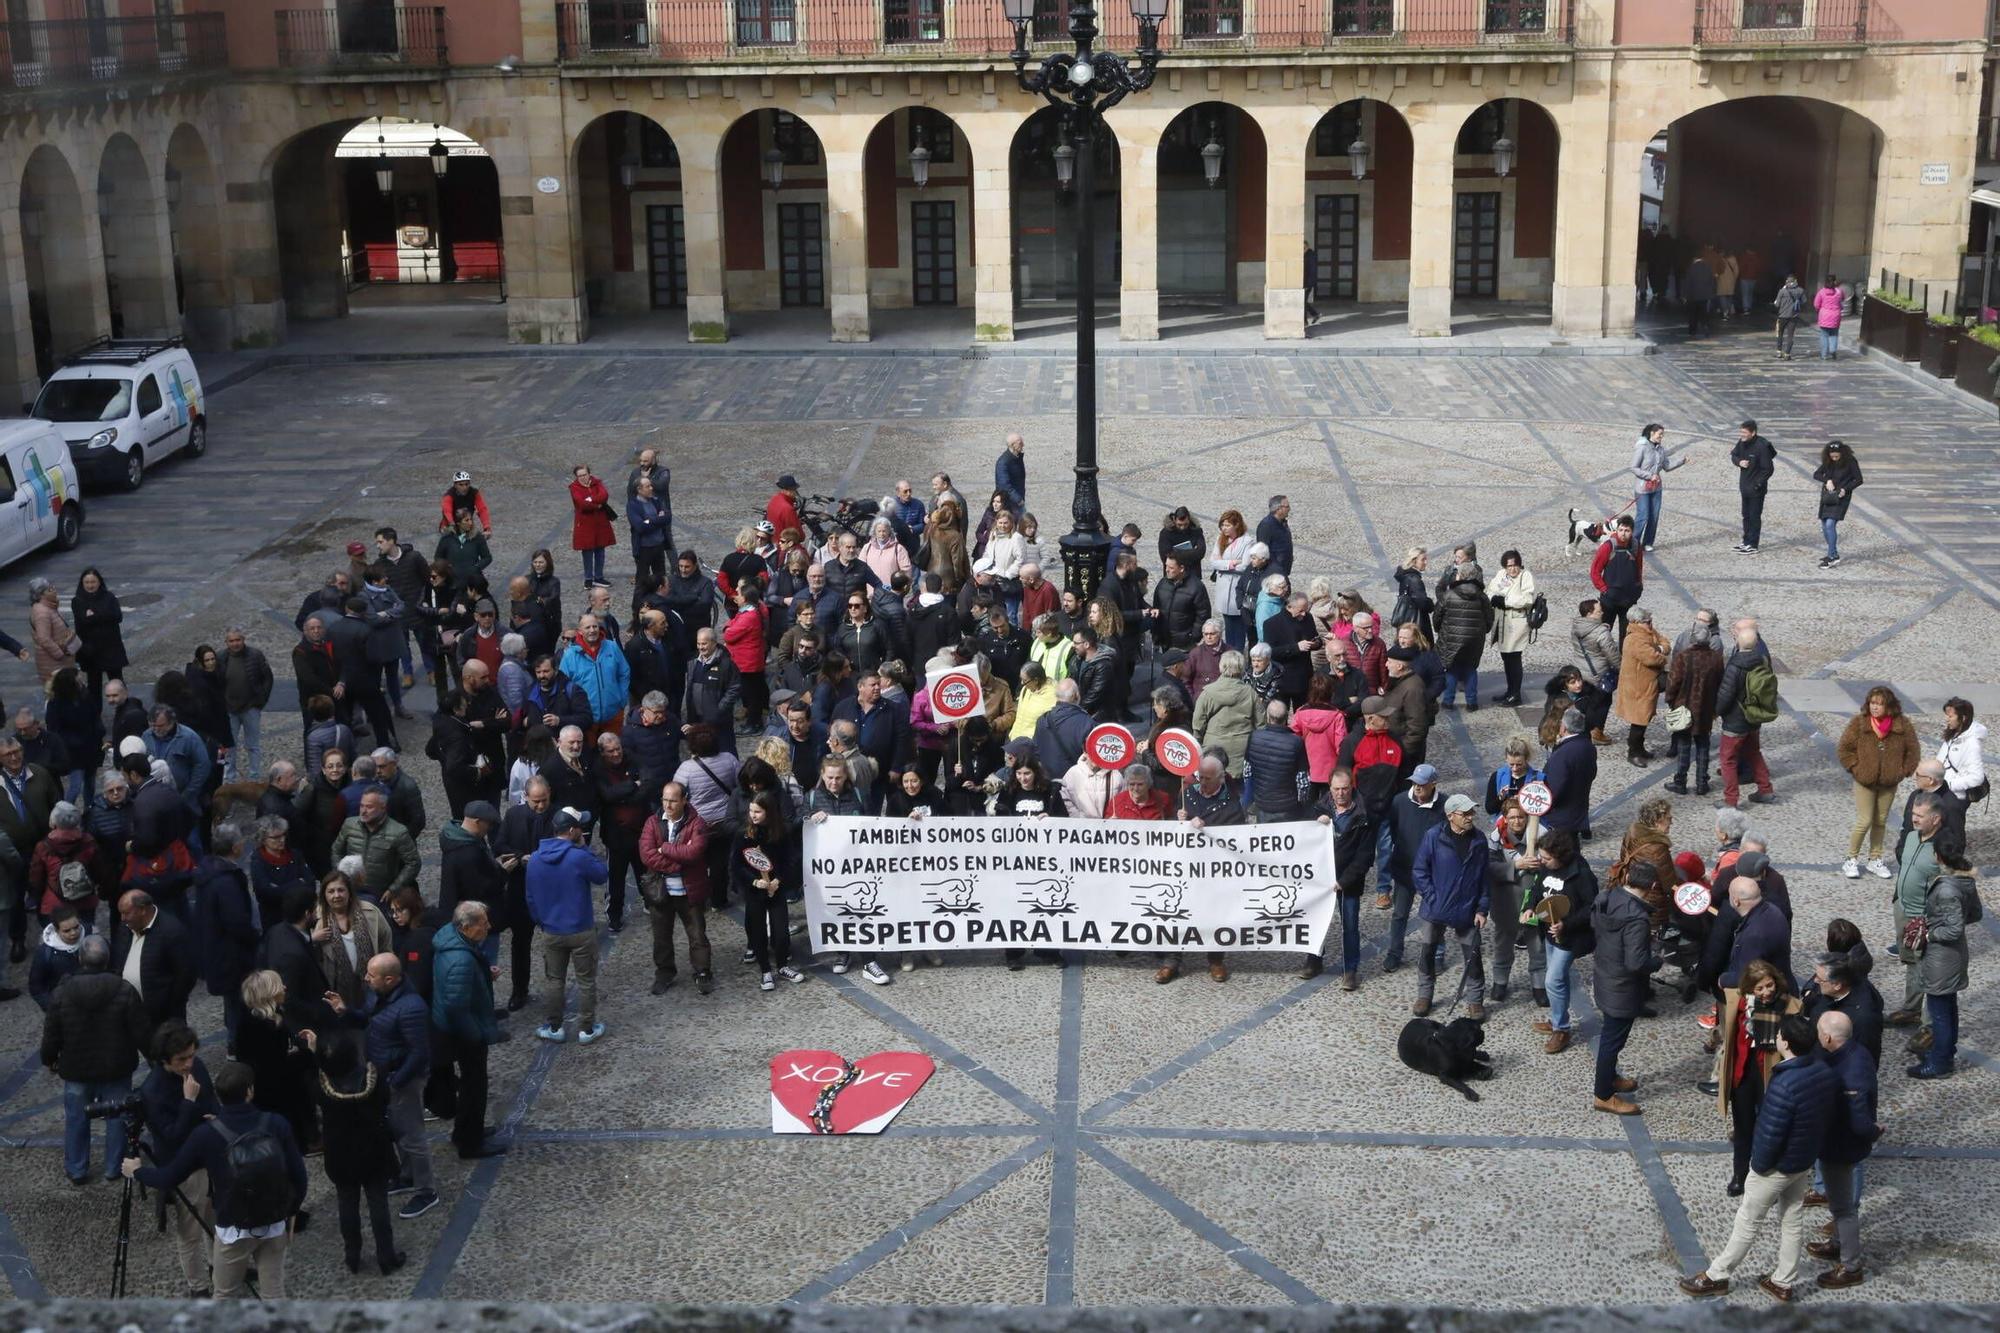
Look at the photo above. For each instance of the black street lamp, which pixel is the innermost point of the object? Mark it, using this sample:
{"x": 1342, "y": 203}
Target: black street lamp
{"x": 1084, "y": 84}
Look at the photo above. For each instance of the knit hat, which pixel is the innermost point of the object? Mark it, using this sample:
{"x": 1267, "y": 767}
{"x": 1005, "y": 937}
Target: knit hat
{"x": 356, "y": 550}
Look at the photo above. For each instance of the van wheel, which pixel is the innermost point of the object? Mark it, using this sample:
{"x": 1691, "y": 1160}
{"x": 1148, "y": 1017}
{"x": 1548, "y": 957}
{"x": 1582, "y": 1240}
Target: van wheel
{"x": 69, "y": 528}
{"x": 197, "y": 444}
{"x": 135, "y": 470}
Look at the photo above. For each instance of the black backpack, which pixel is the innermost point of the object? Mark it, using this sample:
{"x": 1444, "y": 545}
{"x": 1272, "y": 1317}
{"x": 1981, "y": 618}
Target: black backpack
{"x": 1538, "y": 612}
{"x": 257, "y": 1183}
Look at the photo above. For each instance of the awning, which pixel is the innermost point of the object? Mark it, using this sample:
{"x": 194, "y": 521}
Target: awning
{"x": 1986, "y": 188}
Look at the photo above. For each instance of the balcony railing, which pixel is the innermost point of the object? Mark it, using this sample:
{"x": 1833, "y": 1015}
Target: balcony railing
{"x": 777, "y": 30}
{"x": 1784, "y": 22}
{"x": 60, "y": 53}
{"x": 362, "y": 35}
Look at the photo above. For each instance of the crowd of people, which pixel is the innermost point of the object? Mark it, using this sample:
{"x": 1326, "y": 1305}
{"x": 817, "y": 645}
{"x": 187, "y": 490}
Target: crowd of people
{"x": 673, "y": 757}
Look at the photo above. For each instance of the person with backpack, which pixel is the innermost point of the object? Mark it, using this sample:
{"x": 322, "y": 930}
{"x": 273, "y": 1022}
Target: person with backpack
{"x": 1746, "y": 699}
{"x": 1521, "y": 611}
{"x": 1951, "y": 906}
{"x": 1618, "y": 571}
{"x": 257, "y": 1180}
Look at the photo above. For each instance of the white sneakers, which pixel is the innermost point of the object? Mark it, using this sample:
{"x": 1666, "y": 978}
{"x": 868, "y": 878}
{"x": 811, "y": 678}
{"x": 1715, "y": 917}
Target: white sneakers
{"x": 839, "y": 966}
{"x": 1851, "y": 868}
{"x": 1880, "y": 869}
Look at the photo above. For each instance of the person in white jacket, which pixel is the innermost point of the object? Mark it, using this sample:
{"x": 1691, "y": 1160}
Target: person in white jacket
{"x": 1959, "y": 751}
{"x": 1223, "y": 565}
{"x": 1650, "y": 464}
{"x": 1511, "y": 592}
{"x": 1002, "y": 559}
{"x": 1087, "y": 789}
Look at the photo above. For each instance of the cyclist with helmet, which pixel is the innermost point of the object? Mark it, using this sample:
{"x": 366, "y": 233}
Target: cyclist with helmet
{"x": 462, "y": 496}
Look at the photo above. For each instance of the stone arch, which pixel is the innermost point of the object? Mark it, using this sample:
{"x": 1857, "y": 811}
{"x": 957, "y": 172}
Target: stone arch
{"x": 762, "y": 219}
{"x": 1209, "y": 237}
{"x": 138, "y": 250}
{"x": 1357, "y": 221}
{"x": 920, "y": 238}
{"x": 1505, "y": 167}
{"x": 194, "y": 199}
{"x": 1045, "y": 251}
{"x": 632, "y": 220}
{"x": 66, "y": 302}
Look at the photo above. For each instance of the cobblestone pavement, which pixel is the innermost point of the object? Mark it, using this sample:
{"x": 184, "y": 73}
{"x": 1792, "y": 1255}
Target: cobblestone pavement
{"x": 1090, "y": 1137}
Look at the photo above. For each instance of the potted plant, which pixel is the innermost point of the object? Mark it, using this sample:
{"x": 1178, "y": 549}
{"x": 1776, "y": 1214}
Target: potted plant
{"x": 1940, "y": 347}
{"x": 1894, "y": 323}
{"x": 1979, "y": 361}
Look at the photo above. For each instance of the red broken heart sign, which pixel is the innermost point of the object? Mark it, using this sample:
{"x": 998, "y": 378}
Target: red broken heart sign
{"x": 883, "y": 1085}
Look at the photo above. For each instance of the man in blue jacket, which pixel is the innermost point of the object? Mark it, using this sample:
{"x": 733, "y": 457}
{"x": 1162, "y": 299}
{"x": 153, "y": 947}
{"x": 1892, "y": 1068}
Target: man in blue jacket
{"x": 253, "y": 1212}
{"x": 462, "y": 1009}
{"x": 597, "y": 665}
{"x": 398, "y": 1025}
{"x": 1569, "y": 771}
{"x": 560, "y": 873}
{"x": 1850, "y": 1138}
{"x": 1799, "y": 1105}
{"x": 1010, "y": 473}
{"x": 1450, "y": 873}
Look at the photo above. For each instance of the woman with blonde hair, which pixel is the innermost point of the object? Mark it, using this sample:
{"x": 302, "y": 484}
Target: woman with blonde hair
{"x": 1413, "y": 599}
{"x": 348, "y": 930}
{"x": 276, "y": 1056}
{"x": 1223, "y": 565}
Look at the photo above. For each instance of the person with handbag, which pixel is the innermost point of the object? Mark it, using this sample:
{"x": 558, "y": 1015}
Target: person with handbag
{"x": 56, "y": 644}
{"x": 765, "y": 866}
{"x": 710, "y": 776}
{"x": 1959, "y": 752}
{"x": 1916, "y": 867}
{"x": 1937, "y": 938}
{"x": 1512, "y": 595}
{"x": 1694, "y": 676}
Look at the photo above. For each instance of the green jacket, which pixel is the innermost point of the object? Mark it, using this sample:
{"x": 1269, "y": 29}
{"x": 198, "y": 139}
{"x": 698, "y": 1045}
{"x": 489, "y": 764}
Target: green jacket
{"x": 461, "y": 988}
{"x": 1225, "y": 715}
{"x": 388, "y": 854}
{"x": 1916, "y": 867}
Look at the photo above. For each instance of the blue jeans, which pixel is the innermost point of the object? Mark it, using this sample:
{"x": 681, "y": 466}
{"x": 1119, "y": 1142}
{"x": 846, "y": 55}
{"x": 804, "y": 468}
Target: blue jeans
{"x": 1746, "y": 295}
{"x": 1831, "y": 527}
{"x": 1350, "y": 932}
{"x": 1829, "y": 342}
{"x": 1646, "y": 516}
{"x": 1469, "y": 678}
{"x": 1382, "y": 849}
{"x": 246, "y": 755}
{"x": 1232, "y": 633}
{"x": 1611, "y": 1037}
{"x": 1943, "y": 1010}
{"x": 593, "y": 565}
{"x": 1559, "y": 960}
{"x": 76, "y": 1127}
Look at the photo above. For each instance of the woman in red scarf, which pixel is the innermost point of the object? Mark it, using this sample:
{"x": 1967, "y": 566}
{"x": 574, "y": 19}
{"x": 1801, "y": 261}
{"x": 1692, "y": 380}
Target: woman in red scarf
{"x": 591, "y": 532}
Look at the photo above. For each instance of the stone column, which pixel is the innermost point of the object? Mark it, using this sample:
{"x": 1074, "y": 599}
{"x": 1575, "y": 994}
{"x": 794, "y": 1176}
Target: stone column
{"x": 197, "y": 226}
{"x": 253, "y": 287}
{"x": 308, "y": 202}
{"x": 143, "y": 240}
{"x": 1597, "y": 222}
{"x": 1434, "y": 137}
{"x": 18, "y": 380}
{"x": 68, "y": 258}
{"x": 541, "y": 231}
{"x": 701, "y": 218}
{"x": 1920, "y": 225}
{"x": 1139, "y": 226}
{"x": 1287, "y": 137}
{"x": 990, "y": 139}
{"x": 847, "y": 228}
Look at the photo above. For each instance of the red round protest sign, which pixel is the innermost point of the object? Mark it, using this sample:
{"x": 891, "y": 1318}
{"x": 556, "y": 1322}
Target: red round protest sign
{"x": 955, "y": 696}
{"x": 1536, "y": 798}
{"x": 1178, "y": 752}
{"x": 1110, "y": 746}
{"x": 1692, "y": 898}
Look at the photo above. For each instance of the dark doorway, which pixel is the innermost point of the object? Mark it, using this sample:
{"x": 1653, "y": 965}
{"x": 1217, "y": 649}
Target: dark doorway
{"x": 801, "y": 274}
{"x": 1475, "y": 268}
{"x": 666, "y": 254}
{"x": 1337, "y": 239}
{"x": 934, "y": 252}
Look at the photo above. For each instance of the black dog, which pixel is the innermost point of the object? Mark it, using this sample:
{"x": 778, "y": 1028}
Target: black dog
{"x": 1451, "y": 1051}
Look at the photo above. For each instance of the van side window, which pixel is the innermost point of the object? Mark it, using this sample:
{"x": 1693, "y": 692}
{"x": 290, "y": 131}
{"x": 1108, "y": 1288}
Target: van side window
{"x": 149, "y": 396}
{"x": 7, "y": 483}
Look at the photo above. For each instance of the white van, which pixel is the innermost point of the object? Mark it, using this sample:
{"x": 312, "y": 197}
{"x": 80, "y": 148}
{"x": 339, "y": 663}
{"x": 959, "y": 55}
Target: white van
{"x": 123, "y": 404}
{"x": 39, "y": 498}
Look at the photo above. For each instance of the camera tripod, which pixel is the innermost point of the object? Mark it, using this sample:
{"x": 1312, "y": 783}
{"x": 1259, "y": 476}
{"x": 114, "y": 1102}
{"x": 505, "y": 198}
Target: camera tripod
{"x": 121, "y": 1253}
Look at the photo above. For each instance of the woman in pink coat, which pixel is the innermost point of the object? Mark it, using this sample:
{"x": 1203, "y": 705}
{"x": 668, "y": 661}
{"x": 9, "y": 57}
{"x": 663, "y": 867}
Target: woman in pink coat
{"x": 1827, "y": 302}
{"x": 55, "y": 642}
{"x": 591, "y": 532}
{"x": 884, "y": 554}
{"x": 1323, "y": 727}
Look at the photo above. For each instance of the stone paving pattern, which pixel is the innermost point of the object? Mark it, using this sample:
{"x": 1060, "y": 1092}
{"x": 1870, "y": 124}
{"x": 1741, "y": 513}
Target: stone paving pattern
{"x": 1091, "y": 1138}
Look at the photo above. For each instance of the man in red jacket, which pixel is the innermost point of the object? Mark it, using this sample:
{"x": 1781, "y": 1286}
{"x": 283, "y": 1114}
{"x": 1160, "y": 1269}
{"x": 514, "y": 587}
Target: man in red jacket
{"x": 674, "y": 845}
{"x": 783, "y": 508}
{"x": 1618, "y": 571}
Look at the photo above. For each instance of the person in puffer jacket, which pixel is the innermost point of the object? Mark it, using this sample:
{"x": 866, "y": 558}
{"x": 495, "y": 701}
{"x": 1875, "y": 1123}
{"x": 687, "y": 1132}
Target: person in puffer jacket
{"x": 560, "y": 872}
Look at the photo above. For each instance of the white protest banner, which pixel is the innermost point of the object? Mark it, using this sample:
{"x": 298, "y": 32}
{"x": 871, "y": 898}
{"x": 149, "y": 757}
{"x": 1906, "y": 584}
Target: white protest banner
{"x": 901, "y": 884}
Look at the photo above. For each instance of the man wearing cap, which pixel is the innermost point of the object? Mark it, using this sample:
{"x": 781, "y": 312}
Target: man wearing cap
{"x": 468, "y": 871}
{"x": 783, "y": 507}
{"x": 560, "y": 873}
{"x": 1408, "y": 704}
{"x": 1450, "y": 873}
{"x": 1755, "y": 460}
{"x": 482, "y": 641}
{"x": 1411, "y": 818}
{"x": 1569, "y": 771}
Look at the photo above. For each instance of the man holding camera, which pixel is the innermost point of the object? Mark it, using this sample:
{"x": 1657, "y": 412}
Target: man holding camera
{"x": 91, "y": 1039}
{"x": 257, "y": 1178}
{"x": 179, "y": 1098}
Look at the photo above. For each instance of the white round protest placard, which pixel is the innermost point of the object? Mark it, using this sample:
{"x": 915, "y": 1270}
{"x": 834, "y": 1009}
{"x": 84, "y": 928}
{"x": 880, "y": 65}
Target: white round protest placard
{"x": 1178, "y": 752}
{"x": 1692, "y": 898}
{"x": 1110, "y": 745}
{"x": 1536, "y": 798}
{"x": 956, "y": 695}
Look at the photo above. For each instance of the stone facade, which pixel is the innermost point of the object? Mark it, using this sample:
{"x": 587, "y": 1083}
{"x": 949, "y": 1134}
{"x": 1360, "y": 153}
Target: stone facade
{"x": 256, "y": 231}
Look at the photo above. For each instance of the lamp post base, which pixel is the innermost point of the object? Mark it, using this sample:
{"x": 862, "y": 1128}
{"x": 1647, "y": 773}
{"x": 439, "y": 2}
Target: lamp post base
{"x": 1083, "y": 557}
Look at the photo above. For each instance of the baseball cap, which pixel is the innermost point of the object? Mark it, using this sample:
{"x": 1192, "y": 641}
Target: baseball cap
{"x": 570, "y": 817}
{"x": 356, "y": 549}
{"x": 482, "y": 810}
{"x": 131, "y": 745}
{"x": 1401, "y": 654}
{"x": 484, "y": 607}
{"x": 1423, "y": 775}
{"x": 1458, "y": 805}
{"x": 1020, "y": 748}
{"x": 788, "y": 482}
